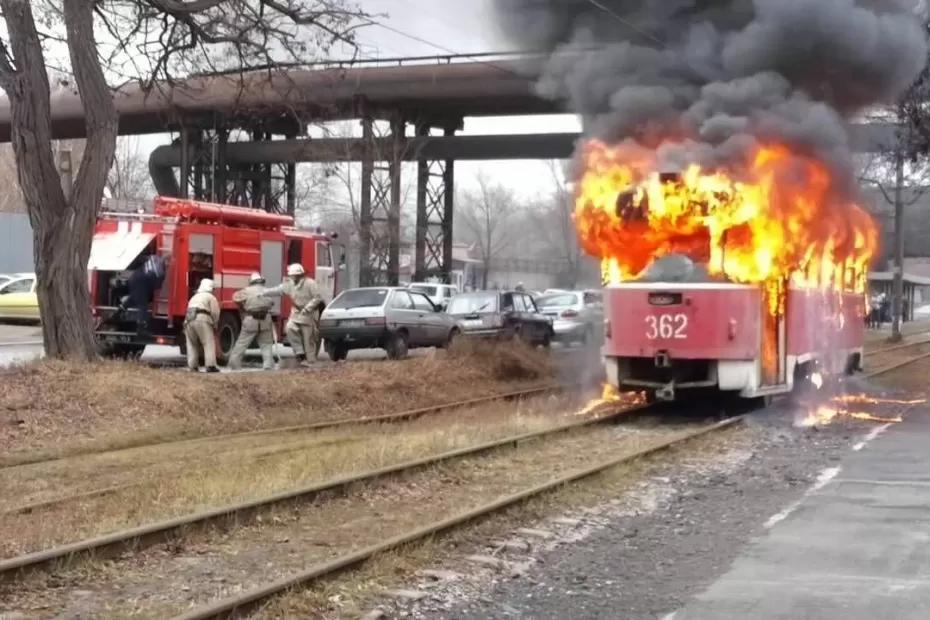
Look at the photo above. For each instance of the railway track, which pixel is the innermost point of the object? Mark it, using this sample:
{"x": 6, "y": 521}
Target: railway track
{"x": 240, "y": 514}
{"x": 147, "y": 535}
{"x": 284, "y": 430}
{"x": 250, "y": 598}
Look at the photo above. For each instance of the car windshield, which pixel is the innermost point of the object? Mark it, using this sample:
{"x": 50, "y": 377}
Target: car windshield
{"x": 472, "y": 303}
{"x": 360, "y": 298}
{"x": 429, "y": 291}
{"x": 552, "y": 301}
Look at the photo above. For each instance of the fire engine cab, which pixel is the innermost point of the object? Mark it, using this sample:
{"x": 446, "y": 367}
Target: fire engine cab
{"x": 197, "y": 240}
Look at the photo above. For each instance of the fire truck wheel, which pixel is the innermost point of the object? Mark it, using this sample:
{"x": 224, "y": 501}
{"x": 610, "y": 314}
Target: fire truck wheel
{"x": 397, "y": 346}
{"x": 227, "y": 331}
{"x": 122, "y": 351}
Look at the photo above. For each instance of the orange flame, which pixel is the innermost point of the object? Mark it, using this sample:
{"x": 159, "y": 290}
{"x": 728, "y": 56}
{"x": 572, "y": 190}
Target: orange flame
{"x": 868, "y": 400}
{"x": 775, "y": 217}
{"x": 610, "y": 395}
{"x": 824, "y": 414}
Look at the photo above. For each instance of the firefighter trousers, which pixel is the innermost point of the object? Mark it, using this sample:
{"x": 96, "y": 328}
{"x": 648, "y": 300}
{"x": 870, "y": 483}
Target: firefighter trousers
{"x": 254, "y": 329}
{"x": 200, "y": 341}
{"x": 304, "y": 338}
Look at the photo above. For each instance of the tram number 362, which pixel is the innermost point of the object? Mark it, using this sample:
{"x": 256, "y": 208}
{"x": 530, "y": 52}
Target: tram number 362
{"x": 667, "y": 326}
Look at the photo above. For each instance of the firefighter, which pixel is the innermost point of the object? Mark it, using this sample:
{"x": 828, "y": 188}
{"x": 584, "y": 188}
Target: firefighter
{"x": 143, "y": 282}
{"x": 256, "y": 323}
{"x": 203, "y": 311}
{"x": 303, "y": 330}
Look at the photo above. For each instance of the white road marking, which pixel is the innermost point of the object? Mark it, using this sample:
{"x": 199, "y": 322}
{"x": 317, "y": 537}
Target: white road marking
{"x": 887, "y": 483}
{"x": 875, "y": 432}
{"x": 823, "y": 479}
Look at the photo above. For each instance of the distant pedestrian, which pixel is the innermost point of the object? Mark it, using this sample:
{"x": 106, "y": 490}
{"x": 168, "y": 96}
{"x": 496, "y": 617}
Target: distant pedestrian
{"x": 203, "y": 312}
{"x": 256, "y": 323}
{"x": 303, "y": 325}
{"x": 885, "y": 310}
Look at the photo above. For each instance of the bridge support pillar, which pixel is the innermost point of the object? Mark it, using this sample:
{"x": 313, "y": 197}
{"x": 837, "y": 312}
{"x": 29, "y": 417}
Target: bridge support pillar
{"x": 381, "y": 205}
{"x": 206, "y": 174}
{"x": 435, "y": 197}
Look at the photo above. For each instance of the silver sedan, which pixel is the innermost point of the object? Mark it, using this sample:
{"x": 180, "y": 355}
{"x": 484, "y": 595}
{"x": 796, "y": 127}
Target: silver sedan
{"x": 577, "y": 316}
{"x": 389, "y": 318}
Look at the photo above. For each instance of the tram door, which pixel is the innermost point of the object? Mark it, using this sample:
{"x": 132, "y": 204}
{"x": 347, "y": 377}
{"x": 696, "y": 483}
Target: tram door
{"x": 774, "y": 334}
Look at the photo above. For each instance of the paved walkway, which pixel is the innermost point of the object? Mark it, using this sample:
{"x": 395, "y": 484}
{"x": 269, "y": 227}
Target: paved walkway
{"x": 856, "y": 547}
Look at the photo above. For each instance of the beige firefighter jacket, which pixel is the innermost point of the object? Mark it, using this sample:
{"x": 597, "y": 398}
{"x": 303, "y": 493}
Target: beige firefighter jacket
{"x": 207, "y": 303}
{"x": 252, "y": 300}
{"x": 305, "y": 296}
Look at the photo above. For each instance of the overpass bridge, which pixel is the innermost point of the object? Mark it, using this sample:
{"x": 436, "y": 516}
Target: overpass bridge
{"x": 241, "y": 136}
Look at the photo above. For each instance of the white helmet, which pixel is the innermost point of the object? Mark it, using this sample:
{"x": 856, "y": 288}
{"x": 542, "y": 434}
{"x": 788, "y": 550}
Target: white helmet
{"x": 206, "y": 286}
{"x": 256, "y": 278}
{"x": 295, "y": 269}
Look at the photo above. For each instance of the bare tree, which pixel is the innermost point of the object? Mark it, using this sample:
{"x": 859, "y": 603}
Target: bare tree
{"x": 486, "y": 214}
{"x": 554, "y": 225}
{"x": 145, "y": 40}
{"x": 129, "y": 178}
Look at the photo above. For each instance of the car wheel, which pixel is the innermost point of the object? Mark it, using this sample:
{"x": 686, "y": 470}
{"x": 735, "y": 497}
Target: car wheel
{"x": 546, "y": 342}
{"x": 397, "y": 346}
{"x": 455, "y": 336}
{"x": 337, "y": 351}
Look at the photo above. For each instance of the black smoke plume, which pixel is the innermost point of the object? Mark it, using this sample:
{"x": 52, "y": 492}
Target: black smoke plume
{"x": 720, "y": 75}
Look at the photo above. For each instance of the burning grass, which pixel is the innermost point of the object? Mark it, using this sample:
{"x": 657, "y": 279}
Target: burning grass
{"x": 52, "y": 408}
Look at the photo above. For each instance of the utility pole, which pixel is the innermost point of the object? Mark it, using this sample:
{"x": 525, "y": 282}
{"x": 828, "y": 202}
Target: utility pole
{"x": 897, "y": 302}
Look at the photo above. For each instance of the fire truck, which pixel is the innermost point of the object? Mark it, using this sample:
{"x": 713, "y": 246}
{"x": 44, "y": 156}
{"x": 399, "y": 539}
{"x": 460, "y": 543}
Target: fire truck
{"x": 198, "y": 240}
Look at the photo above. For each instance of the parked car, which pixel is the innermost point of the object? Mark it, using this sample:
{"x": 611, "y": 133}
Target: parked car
{"x": 502, "y": 315}
{"x": 18, "y": 299}
{"x": 390, "y": 318}
{"x": 439, "y": 294}
{"x": 577, "y": 316}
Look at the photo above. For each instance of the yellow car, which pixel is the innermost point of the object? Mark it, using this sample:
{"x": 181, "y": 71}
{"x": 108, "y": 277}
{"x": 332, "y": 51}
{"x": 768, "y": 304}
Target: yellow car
{"x": 18, "y": 300}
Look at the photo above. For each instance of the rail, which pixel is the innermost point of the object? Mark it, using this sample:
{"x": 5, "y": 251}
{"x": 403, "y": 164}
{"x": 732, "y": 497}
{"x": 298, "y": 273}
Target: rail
{"x": 140, "y": 537}
{"x": 244, "y": 602}
{"x": 312, "y": 426}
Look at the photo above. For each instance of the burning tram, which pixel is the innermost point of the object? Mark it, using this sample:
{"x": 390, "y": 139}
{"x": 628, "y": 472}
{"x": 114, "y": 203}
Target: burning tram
{"x": 746, "y": 282}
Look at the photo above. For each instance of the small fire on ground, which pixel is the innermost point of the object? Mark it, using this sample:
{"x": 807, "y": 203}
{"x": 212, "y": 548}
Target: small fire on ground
{"x": 837, "y": 407}
{"x": 610, "y": 395}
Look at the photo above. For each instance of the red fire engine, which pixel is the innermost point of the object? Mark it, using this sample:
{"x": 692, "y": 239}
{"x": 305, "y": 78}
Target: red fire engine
{"x": 197, "y": 240}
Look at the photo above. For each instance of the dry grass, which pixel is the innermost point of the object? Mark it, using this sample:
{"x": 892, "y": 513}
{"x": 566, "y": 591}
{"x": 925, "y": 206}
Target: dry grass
{"x": 287, "y": 540}
{"x": 51, "y": 408}
{"x": 171, "y": 488}
{"x": 357, "y": 592}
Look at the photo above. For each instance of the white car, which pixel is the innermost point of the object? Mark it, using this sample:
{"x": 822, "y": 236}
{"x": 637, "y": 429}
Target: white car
{"x": 439, "y": 294}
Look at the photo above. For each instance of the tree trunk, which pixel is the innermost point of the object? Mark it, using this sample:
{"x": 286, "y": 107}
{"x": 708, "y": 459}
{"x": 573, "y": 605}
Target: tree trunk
{"x": 62, "y": 251}
{"x": 62, "y": 226}
{"x": 897, "y": 299}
